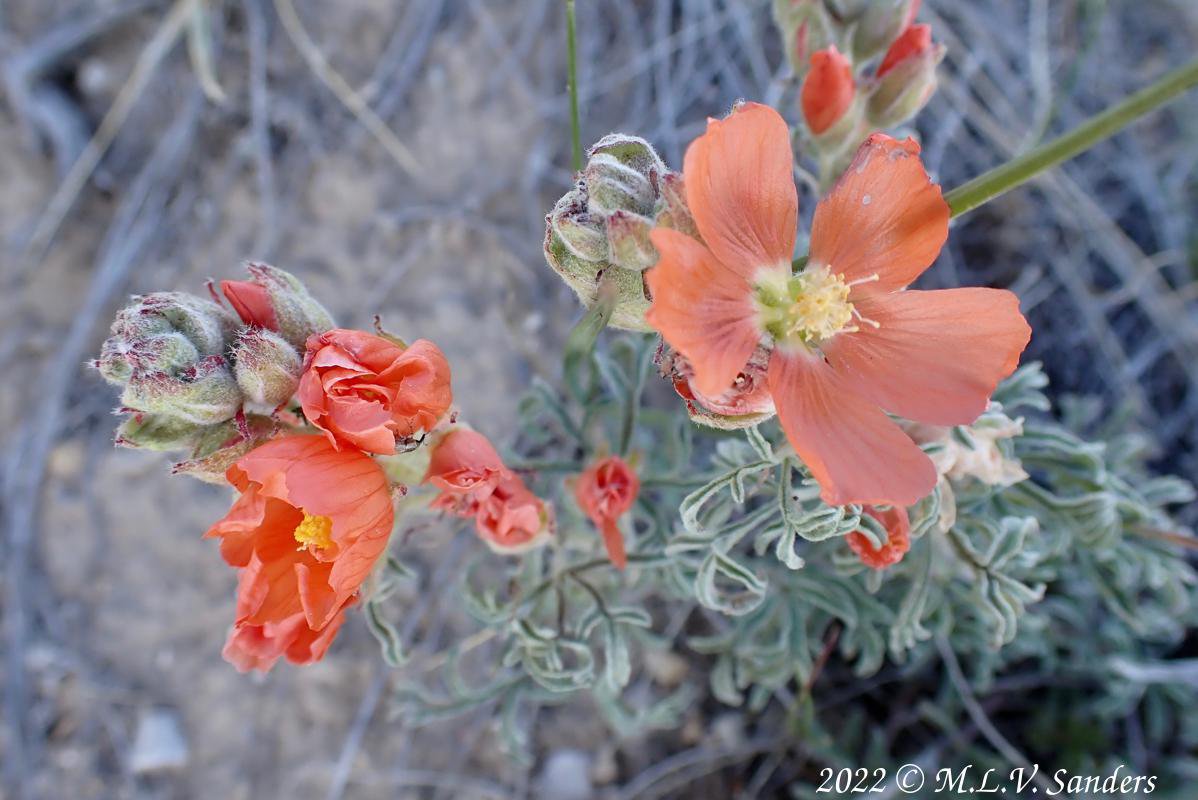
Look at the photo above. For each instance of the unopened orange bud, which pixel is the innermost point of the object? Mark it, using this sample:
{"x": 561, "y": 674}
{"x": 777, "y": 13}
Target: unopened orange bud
{"x": 828, "y": 90}
{"x": 914, "y": 41}
{"x": 906, "y": 78}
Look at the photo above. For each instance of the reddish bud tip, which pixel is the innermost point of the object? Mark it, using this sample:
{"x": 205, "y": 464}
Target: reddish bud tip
{"x": 914, "y": 41}
{"x": 251, "y": 301}
{"x": 828, "y": 90}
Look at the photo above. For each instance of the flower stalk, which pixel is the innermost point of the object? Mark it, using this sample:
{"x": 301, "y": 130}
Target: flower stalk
{"x": 572, "y": 80}
{"x": 1020, "y": 170}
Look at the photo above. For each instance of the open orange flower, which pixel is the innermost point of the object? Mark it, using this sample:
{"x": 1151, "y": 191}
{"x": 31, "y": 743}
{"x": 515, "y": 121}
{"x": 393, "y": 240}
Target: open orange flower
{"x": 367, "y": 392}
{"x": 898, "y": 541}
{"x": 847, "y": 340}
{"x": 475, "y": 483}
{"x": 306, "y": 531}
{"x": 605, "y": 491}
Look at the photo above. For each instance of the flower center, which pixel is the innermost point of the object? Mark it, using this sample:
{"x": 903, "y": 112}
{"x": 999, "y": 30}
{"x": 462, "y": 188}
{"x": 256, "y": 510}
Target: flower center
{"x": 316, "y": 531}
{"x": 807, "y": 308}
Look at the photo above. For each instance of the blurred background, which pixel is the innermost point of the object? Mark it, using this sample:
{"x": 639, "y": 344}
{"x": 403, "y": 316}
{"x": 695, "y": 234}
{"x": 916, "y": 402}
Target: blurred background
{"x": 399, "y": 156}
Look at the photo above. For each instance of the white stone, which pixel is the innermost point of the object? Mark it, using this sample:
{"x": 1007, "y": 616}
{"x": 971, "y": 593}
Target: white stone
{"x": 159, "y": 744}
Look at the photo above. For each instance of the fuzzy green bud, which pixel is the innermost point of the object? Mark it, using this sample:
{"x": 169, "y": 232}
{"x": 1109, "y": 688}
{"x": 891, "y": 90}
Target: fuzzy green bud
{"x": 904, "y": 88}
{"x": 880, "y": 24}
{"x": 600, "y": 229}
{"x": 628, "y": 237}
{"x": 278, "y": 301}
{"x": 673, "y": 211}
{"x": 219, "y": 447}
{"x": 267, "y": 368}
{"x": 806, "y": 27}
{"x": 165, "y": 332}
{"x": 157, "y": 432}
{"x": 612, "y": 186}
{"x": 204, "y": 393}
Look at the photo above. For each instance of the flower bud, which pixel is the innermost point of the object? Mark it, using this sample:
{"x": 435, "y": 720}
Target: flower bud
{"x": 204, "y": 393}
{"x": 612, "y": 186}
{"x": 601, "y": 227}
{"x": 266, "y": 367}
{"x": 880, "y": 24}
{"x": 628, "y": 238}
{"x": 278, "y": 301}
{"x": 157, "y": 432}
{"x": 906, "y": 78}
{"x": 828, "y": 90}
{"x": 163, "y": 332}
{"x": 220, "y": 446}
{"x": 805, "y": 27}
{"x": 673, "y": 211}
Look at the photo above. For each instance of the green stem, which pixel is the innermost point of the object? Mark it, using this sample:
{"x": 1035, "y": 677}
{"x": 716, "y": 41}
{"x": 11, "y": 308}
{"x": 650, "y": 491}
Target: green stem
{"x": 1019, "y": 170}
{"x": 572, "y": 79}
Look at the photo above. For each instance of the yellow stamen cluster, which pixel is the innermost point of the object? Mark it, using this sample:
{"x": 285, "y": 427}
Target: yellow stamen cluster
{"x": 806, "y": 308}
{"x": 316, "y": 531}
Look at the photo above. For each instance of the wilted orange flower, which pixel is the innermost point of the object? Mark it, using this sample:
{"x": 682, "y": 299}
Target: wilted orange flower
{"x": 475, "y": 483}
{"x": 306, "y": 531}
{"x": 605, "y": 491}
{"x": 466, "y": 468}
{"x": 848, "y": 340}
{"x": 512, "y": 519}
{"x": 898, "y": 541}
{"x": 367, "y": 392}
{"x": 828, "y": 89}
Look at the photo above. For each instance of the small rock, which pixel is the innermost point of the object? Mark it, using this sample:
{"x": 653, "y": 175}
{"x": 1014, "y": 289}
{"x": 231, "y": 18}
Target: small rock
{"x": 604, "y": 769}
{"x": 566, "y": 776}
{"x": 159, "y": 744}
{"x": 728, "y": 730}
{"x": 667, "y": 669}
{"x": 66, "y": 459}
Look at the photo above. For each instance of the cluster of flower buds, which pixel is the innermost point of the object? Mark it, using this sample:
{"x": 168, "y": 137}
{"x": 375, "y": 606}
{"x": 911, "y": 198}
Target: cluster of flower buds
{"x": 205, "y": 381}
{"x": 312, "y": 426}
{"x": 864, "y": 65}
{"x": 598, "y": 233}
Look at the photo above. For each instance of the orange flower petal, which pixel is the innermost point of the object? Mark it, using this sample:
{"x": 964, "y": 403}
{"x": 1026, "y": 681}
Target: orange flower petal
{"x": 883, "y": 217}
{"x": 704, "y": 310}
{"x": 855, "y": 452}
{"x": 898, "y": 538}
{"x": 305, "y": 471}
{"x": 936, "y": 356}
{"x": 740, "y": 188}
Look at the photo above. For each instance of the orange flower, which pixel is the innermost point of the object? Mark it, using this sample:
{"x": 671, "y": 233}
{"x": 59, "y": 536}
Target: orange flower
{"x": 306, "y": 531}
{"x": 475, "y": 483}
{"x": 847, "y": 339}
{"x": 366, "y": 392}
{"x": 898, "y": 541}
{"x": 828, "y": 90}
{"x": 604, "y": 492}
